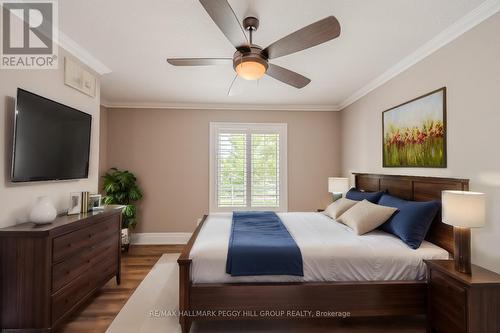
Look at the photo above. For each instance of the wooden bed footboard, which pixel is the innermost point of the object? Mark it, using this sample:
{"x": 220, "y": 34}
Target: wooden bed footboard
{"x": 184, "y": 294}
{"x": 185, "y": 284}
{"x": 307, "y": 300}
{"x": 233, "y": 301}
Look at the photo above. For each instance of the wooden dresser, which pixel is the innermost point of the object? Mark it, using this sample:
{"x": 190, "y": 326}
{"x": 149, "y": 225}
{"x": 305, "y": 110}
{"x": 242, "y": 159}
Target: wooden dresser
{"x": 462, "y": 303}
{"x": 48, "y": 271}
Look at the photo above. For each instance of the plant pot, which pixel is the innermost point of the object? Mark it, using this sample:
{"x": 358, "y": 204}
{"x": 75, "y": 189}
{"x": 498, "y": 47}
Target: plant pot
{"x": 125, "y": 239}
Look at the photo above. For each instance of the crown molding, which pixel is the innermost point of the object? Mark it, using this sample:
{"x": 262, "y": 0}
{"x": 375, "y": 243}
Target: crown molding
{"x": 467, "y": 22}
{"x": 104, "y": 102}
{"x": 233, "y": 107}
{"x": 82, "y": 54}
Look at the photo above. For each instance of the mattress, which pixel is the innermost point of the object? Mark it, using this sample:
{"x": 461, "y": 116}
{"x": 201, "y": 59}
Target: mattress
{"x": 330, "y": 252}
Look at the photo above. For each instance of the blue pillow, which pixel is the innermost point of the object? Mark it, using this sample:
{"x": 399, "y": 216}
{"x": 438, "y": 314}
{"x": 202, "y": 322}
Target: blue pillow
{"x": 357, "y": 195}
{"x": 412, "y": 220}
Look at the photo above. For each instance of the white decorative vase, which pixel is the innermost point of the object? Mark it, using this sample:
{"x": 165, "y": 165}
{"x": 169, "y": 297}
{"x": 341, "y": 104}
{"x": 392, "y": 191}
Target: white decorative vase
{"x": 43, "y": 211}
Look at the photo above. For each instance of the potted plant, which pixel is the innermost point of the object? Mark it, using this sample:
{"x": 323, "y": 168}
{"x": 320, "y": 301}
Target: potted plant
{"x": 120, "y": 187}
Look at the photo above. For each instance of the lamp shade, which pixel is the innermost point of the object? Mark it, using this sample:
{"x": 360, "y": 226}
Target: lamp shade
{"x": 338, "y": 185}
{"x": 464, "y": 209}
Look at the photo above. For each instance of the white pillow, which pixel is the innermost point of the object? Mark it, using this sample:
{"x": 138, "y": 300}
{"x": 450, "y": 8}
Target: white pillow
{"x": 338, "y": 207}
{"x": 366, "y": 216}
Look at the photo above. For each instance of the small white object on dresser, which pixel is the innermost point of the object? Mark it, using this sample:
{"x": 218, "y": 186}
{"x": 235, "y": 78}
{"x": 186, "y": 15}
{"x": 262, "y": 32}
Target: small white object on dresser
{"x": 43, "y": 211}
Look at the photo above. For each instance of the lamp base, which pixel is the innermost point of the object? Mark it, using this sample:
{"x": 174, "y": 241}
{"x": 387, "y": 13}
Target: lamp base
{"x": 461, "y": 237}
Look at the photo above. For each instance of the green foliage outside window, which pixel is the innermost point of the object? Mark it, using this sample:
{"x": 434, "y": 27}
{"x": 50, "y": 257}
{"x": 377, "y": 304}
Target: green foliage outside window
{"x": 264, "y": 168}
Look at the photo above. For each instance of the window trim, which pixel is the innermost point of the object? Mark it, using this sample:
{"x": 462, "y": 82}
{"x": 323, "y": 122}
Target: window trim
{"x": 281, "y": 129}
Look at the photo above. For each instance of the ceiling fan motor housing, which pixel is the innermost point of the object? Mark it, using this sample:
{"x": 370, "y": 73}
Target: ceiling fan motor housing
{"x": 253, "y": 55}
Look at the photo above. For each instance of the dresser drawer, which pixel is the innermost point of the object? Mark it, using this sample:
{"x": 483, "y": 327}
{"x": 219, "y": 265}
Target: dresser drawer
{"x": 103, "y": 270}
{"x": 68, "y": 270}
{"x": 103, "y": 232}
{"x": 448, "y": 304}
{"x": 70, "y": 295}
{"x": 70, "y": 244}
{"x": 104, "y": 250}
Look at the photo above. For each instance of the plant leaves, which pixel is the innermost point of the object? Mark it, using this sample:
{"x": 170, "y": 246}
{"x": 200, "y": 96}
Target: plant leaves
{"x": 134, "y": 194}
{"x": 121, "y": 188}
{"x": 129, "y": 211}
{"x": 108, "y": 200}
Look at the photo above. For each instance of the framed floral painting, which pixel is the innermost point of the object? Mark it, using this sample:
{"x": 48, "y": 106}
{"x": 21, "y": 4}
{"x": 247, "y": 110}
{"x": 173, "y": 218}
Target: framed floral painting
{"x": 414, "y": 133}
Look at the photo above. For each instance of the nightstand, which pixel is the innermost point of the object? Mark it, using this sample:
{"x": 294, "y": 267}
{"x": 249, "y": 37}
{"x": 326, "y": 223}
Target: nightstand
{"x": 462, "y": 303}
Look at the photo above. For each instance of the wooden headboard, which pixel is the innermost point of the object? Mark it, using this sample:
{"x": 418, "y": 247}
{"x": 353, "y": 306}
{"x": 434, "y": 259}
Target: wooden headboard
{"x": 417, "y": 189}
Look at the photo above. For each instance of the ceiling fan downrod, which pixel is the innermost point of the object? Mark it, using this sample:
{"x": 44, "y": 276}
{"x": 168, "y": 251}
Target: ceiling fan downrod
{"x": 251, "y": 24}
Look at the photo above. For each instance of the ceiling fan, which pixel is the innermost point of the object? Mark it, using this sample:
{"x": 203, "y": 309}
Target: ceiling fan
{"x": 250, "y": 61}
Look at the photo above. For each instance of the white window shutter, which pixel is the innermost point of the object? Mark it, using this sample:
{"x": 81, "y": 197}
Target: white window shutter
{"x": 248, "y": 167}
{"x": 231, "y": 173}
{"x": 265, "y": 170}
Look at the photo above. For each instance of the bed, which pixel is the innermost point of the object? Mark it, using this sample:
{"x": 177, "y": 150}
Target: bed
{"x": 371, "y": 275}
{"x": 330, "y": 252}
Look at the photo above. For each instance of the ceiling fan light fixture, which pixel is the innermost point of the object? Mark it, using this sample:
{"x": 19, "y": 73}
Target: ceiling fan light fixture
{"x": 249, "y": 64}
{"x": 251, "y": 70}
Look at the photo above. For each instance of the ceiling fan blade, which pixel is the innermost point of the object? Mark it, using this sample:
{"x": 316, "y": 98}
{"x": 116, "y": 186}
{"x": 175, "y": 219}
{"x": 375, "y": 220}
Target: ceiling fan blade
{"x": 199, "y": 61}
{"x": 223, "y": 15}
{"x": 312, "y": 35}
{"x": 287, "y": 76}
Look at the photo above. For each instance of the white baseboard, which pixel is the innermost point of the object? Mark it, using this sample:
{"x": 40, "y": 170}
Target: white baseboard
{"x": 160, "y": 238}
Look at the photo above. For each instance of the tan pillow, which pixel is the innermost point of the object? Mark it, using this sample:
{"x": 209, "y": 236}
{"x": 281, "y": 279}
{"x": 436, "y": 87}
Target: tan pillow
{"x": 338, "y": 207}
{"x": 366, "y": 216}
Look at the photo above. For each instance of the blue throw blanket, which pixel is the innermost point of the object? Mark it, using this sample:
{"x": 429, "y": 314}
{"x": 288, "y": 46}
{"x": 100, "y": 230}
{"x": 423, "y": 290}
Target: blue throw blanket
{"x": 260, "y": 244}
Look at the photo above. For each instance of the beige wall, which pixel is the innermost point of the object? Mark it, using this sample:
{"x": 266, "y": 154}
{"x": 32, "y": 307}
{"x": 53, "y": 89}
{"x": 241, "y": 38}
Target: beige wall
{"x": 470, "y": 69}
{"x": 16, "y": 199}
{"x": 168, "y": 151}
{"x": 103, "y": 145}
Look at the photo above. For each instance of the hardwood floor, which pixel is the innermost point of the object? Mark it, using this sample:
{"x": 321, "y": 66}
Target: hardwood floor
{"x": 99, "y": 312}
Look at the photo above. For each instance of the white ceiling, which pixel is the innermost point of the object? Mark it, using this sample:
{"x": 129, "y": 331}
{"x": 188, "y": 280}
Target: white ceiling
{"x": 133, "y": 39}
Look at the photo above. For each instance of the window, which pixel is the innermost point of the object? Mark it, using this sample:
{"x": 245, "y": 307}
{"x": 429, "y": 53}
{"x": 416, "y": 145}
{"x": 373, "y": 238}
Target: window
{"x": 247, "y": 167}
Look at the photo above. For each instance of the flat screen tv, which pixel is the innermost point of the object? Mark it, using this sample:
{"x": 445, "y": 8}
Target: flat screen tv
{"x": 51, "y": 140}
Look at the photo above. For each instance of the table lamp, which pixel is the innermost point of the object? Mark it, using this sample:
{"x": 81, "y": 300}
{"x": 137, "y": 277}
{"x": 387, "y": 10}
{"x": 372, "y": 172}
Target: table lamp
{"x": 463, "y": 210}
{"x": 338, "y": 186}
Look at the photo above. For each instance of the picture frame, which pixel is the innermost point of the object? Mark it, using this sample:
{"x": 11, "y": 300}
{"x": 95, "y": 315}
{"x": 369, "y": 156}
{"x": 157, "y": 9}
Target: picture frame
{"x": 95, "y": 202}
{"x": 75, "y": 76}
{"x": 414, "y": 133}
{"x": 75, "y": 203}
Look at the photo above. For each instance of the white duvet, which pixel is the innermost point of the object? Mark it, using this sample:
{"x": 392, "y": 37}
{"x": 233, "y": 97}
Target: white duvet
{"x": 330, "y": 252}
